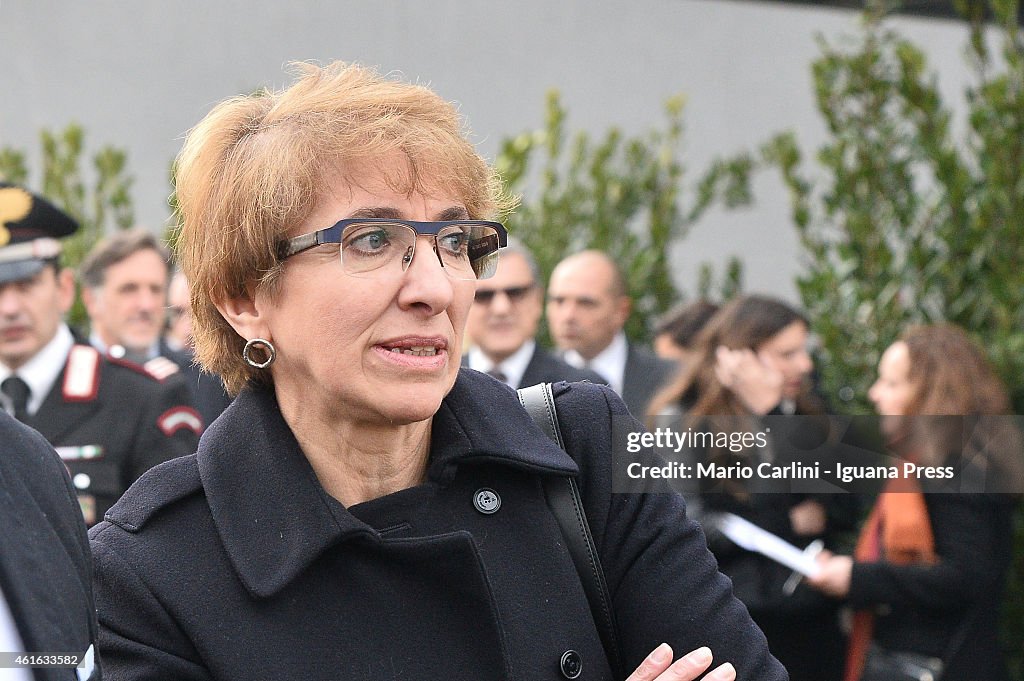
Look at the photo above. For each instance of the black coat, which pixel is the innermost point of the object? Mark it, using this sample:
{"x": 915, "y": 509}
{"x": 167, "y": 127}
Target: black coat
{"x": 236, "y": 564}
{"x": 645, "y": 374}
{"x": 111, "y": 422}
{"x": 544, "y": 367}
{"x": 45, "y": 570}
{"x": 802, "y": 624}
{"x": 955, "y": 603}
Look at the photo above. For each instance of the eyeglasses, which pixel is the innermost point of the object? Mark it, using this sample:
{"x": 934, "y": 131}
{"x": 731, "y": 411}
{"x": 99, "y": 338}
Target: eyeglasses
{"x": 515, "y": 294}
{"x": 381, "y": 247}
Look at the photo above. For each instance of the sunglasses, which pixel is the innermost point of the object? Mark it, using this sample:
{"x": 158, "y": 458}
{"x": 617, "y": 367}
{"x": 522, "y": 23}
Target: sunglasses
{"x": 514, "y": 294}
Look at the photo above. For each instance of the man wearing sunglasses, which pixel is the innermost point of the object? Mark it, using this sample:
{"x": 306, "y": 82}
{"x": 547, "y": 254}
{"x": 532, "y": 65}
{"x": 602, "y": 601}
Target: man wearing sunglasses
{"x": 503, "y": 324}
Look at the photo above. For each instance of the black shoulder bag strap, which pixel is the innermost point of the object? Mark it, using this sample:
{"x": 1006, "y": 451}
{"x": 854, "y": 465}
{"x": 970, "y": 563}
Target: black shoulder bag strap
{"x": 563, "y": 498}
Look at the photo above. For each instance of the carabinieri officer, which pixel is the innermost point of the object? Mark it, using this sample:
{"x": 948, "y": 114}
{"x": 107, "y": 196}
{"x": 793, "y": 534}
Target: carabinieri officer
{"x": 110, "y": 421}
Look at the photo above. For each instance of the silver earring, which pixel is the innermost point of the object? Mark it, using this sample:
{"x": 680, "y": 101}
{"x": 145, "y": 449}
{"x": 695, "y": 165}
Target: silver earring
{"x": 267, "y": 346}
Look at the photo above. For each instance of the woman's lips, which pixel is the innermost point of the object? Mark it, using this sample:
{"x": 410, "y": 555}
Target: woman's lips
{"x": 414, "y": 357}
{"x": 428, "y": 353}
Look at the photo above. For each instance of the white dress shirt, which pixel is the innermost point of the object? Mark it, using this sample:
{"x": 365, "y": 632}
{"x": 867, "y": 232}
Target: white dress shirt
{"x": 610, "y": 363}
{"x": 513, "y": 366}
{"x": 42, "y": 371}
{"x": 10, "y": 642}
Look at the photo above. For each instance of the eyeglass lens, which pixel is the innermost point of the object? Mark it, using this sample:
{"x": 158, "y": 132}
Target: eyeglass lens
{"x": 515, "y": 294}
{"x": 466, "y": 250}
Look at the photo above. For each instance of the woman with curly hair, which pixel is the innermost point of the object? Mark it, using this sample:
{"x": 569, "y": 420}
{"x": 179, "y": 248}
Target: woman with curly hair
{"x": 930, "y": 566}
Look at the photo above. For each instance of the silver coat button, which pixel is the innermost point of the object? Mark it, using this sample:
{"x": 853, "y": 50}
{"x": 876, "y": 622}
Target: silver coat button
{"x": 486, "y": 501}
{"x": 571, "y": 664}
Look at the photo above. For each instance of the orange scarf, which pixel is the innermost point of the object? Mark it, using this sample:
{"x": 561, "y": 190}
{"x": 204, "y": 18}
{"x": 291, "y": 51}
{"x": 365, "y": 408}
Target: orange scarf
{"x": 897, "y": 531}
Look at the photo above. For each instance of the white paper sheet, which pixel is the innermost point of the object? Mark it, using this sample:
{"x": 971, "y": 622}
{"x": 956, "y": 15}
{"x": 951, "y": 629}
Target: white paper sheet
{"x": 753, "y": 538}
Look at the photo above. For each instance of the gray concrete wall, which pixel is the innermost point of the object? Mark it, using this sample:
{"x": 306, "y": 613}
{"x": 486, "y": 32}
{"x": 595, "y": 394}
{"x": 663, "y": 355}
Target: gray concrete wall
{"x": 138, "y": 74}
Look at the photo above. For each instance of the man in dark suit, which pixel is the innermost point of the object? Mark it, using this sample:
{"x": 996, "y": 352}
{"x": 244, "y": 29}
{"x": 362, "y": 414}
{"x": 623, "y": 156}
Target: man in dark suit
{"x": 125, "y": 282}
{"x": 46, "y": 602}
{"x": 503, "y": 323}
{"x": 588, "y": 305}
{"x": 110, "y": 420}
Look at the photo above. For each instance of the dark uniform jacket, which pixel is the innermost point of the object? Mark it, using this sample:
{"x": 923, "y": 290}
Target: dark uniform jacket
{"x": 950, "y": 609}
{"x": 45, "y": 570}
{"x": 208, "y": 394}
{"x": 236, "y": 564}
{"x": 111, "y": 421}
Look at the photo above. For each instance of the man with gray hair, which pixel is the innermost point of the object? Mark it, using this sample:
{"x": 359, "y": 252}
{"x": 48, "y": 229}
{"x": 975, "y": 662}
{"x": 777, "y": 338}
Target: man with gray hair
{"x": 124, "y": 287}
{"x": 125, "y": 281}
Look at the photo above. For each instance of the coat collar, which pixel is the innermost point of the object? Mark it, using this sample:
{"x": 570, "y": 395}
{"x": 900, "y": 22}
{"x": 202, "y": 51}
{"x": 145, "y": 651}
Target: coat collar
{"x": 275, "y": 518}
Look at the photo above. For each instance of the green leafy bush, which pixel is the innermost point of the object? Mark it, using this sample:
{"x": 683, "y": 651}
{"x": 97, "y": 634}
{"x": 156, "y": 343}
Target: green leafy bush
{"x": 907, "y": 218}
{"x": 100, "y": 204}
{"x": 622, "y": 195}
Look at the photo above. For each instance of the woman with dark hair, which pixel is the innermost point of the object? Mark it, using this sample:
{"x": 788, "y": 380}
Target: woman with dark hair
{"x": 752, "y": 361}
{"x": 676, "y": 332}
{"x": 930, "y": 566}
{"x": 751, "y": 357}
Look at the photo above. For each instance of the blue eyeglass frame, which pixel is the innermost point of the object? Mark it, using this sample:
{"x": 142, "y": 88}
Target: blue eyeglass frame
{"x": 333, "y": 234}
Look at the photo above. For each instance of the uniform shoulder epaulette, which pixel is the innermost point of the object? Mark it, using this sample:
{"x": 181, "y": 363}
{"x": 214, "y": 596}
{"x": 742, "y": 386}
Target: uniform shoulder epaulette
{"x": 82, "y": 374}
{"x": 137, "y": 368}
{"x": 161, "y": 367}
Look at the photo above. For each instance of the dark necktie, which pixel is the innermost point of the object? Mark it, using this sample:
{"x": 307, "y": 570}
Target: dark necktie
{"x": 498, "y": 374}
{"x": 18, "y": 392}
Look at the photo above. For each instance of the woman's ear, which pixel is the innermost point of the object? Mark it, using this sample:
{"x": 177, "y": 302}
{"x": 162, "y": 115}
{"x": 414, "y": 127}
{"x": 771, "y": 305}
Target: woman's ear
{"x": 243, "y": 314}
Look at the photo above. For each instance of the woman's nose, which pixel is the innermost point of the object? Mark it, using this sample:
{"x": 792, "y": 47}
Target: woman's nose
{"x": 425, "y": 281}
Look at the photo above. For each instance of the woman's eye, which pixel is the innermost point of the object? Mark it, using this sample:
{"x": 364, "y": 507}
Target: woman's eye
{"x": 367, "y": 242}
{"x": 453, "y": 242}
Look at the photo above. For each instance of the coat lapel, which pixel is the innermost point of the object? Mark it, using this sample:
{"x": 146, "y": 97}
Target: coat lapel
{"x": 280, "y": 519}
{"x": 534, "y": 370}
{"x": 634, "y": 380}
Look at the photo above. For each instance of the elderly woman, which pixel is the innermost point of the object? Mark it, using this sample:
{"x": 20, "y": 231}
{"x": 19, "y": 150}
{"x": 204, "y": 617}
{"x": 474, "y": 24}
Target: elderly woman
{"x": 365, "y": 509}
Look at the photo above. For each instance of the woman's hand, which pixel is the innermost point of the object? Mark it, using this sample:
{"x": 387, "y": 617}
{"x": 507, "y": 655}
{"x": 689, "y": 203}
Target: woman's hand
{"x": 659, "y": 667}
{"x": 834, "y": 577}
{"x": 752, "y": 378}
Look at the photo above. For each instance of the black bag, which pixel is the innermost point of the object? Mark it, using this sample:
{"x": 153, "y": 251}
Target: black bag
{"x": 888, "y": 665}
